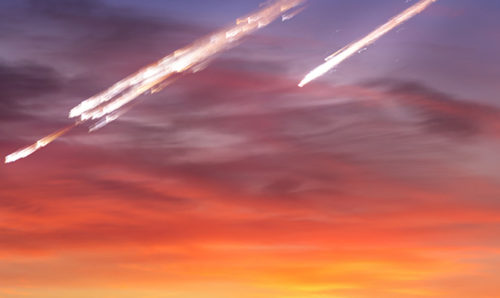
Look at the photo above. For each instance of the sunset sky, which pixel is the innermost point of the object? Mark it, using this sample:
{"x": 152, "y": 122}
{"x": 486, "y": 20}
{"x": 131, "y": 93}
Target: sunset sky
{"x": 380, "y": 179}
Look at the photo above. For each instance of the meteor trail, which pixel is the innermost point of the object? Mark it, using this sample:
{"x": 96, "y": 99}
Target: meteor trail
{"x": 25, "y": 152}
{"x": 346, "y": 52}
{"x": 180, "y": 61}
{"x": 110, "y": 104}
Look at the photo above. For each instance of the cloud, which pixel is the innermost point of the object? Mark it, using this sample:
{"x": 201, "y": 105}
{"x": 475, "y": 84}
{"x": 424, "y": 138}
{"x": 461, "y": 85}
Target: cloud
{"x": 22, "y": 84}
{"x": 90, "y": 40}
{"x": 97, "y": 26}
{"x": 439, "y": 112}
{"x": 314, "y": 200}
{"x": 233, "y": 174}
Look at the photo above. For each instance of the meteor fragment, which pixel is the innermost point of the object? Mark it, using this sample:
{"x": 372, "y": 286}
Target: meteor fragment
{"x": 293, "y": 14}
{"x": 25, "y": 152}
{"x": 180, "y": 61}
{"x": 110, "y": 104}
{"x": 346, "y": 52}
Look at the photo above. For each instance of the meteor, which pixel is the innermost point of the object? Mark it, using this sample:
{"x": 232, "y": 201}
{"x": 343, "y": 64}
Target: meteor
{"x": 110, "y": 104}
{"x": 346, "y": 52}
{"x": 180, "y": 61}
{"x": 292, "y": 14}
{"x": 25, "y": 152}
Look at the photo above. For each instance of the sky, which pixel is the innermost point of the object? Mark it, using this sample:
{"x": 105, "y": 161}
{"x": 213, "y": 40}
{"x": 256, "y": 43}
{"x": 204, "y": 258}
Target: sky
{"x": 379, "y": 179}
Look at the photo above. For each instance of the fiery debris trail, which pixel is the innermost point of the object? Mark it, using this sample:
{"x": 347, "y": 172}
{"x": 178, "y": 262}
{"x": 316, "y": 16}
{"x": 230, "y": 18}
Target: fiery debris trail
{"x": 359, "y": 45}
{"x": 108, "y": 105}
{"x": 180, "y": 61}
{"x": 25, "y": 152}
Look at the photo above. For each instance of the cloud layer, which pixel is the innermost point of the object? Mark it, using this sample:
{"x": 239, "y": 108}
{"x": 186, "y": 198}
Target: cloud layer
{"x": 234, "y": 180}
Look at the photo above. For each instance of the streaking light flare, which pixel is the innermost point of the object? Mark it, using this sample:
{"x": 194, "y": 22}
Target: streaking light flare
{"x": 110, "y": 104}
{"x": 180, "y": 61}
{"x": 346, "y": 52}
{"x": 25, "y": 152}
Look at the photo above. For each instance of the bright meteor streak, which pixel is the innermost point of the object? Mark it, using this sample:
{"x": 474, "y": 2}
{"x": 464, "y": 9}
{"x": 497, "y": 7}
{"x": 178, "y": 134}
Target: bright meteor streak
{"x": 108, "y": 105}
{"x": 180, "y": 61}
{"x": 25, "y": 152}
{"x": 357, "y": 46}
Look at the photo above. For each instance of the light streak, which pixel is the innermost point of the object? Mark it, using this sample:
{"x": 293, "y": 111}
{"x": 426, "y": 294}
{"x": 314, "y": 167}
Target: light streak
{"x": 292, "y": 14}
{"x": 25, "y": 152}
{"x": 346, "y": 52}
{"x": 180, "y": 61}
{"x": 107, "y": 106}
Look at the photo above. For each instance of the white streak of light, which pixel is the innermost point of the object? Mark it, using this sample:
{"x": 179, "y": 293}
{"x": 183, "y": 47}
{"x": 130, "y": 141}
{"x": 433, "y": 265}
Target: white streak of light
{"x": 357, "y": 46}
{"x": 25, "y": 152}
{"x": 180, "y": 61}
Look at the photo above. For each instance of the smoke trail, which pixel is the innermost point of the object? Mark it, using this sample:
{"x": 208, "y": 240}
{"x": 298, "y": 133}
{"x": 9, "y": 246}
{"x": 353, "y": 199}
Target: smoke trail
{"x": 107, "y": 106}
{"x": 357, "y": 46}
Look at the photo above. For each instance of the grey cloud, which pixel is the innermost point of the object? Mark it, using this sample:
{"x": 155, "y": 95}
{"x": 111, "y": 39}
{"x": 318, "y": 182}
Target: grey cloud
{"x": 439, "y": 112}
{"x": 22, "y": 83}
